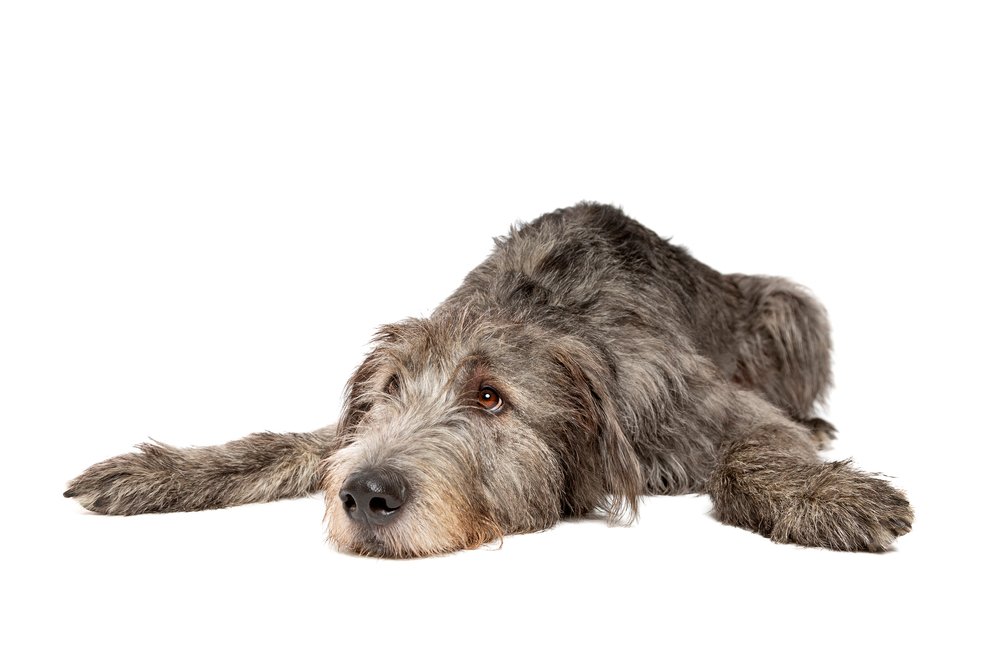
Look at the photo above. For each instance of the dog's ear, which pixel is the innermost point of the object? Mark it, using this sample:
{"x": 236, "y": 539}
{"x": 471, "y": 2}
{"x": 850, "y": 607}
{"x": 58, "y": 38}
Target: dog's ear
{"x": 596, "y": 419}
{"x": 368, "y": 380}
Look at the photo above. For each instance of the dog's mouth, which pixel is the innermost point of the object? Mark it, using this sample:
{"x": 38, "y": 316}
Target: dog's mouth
{"x": 366, "y": 542}
{"x": 408, "y": 533}
{"x": 369, "y": 539}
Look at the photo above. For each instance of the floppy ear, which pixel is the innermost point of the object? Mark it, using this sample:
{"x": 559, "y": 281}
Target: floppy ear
{"x": 363, "y": 384}
{"x": 598, "y": 421}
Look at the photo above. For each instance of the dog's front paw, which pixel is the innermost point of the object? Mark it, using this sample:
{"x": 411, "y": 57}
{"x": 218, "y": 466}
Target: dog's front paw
{"x": 844, "y": 509}
{"x": 128, "y": 484}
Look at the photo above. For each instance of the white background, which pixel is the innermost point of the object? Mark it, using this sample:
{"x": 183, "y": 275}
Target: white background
{"x": 208, "y": 207}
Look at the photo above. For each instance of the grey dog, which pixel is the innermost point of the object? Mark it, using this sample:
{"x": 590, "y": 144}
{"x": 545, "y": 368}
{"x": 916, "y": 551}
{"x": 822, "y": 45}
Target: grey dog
{"x": 585, "y": 363}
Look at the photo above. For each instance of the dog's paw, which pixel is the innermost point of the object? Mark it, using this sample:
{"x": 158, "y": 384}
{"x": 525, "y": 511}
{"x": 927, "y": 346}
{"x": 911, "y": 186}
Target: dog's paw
{"x": 845, "y": 509}
{"x": 128, "y": 484}
{"x": 823, "y": 432}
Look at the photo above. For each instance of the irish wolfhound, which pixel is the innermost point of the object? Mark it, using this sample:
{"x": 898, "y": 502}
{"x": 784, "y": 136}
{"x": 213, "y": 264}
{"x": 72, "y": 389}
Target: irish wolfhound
{"x": 585, "y": 363}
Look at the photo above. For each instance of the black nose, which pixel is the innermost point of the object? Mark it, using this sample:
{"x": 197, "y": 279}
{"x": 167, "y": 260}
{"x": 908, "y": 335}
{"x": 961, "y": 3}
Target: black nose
{"x": 373, "y": 496}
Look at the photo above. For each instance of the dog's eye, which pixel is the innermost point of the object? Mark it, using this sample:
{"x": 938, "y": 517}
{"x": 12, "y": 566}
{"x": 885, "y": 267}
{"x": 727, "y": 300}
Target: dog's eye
{"x": 392, "y": 386}
{"x": 489, "y": 399}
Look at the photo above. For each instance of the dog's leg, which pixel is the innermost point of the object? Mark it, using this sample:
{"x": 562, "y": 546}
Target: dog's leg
{"x": 259, "y": 468}
{"x": 770, "y": 480}
{"x": 782, "y": 347}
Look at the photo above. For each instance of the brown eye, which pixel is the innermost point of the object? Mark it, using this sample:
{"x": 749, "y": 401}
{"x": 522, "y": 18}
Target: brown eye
{"x": 489, "y": 399}
{"x": 392, "y": 386}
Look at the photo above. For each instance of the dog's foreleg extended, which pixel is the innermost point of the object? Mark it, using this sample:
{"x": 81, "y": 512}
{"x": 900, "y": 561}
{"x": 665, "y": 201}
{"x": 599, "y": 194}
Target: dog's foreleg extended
{"x": 157, "y": 478}
{"x": 770, "y": 480}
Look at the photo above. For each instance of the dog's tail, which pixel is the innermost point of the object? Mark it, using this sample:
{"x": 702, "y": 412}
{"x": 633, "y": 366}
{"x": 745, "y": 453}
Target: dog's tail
{"x": 259, "y": 468}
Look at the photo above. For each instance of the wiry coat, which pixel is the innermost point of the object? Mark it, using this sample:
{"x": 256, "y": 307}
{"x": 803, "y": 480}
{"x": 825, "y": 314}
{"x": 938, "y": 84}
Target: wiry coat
{"x": 625, "y": 366}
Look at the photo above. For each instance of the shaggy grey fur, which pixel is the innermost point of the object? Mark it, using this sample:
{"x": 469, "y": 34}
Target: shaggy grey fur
{"x": 585, "y": 363}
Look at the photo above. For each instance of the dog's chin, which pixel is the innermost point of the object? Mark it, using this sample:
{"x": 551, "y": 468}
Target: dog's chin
{"x": 416, "y": 533}
{"x": 393, "y": 542}
{"x": 435, "y": 520}
{"x": 369, "y": 545}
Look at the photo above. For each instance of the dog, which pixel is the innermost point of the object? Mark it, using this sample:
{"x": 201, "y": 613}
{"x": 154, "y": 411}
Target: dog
{"x": 585, "y": 363}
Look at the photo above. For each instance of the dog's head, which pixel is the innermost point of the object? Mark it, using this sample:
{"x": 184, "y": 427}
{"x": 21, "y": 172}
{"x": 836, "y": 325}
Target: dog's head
{"x": 458, "y": 431}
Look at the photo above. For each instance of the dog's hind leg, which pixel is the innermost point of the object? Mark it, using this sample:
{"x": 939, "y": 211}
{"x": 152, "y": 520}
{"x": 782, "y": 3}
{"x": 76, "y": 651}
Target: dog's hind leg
{"x": 783, "y": 348}
{"x": 157, "y": 478}
{"x": 770, "y": 480}
{"x": 821, "y": 431}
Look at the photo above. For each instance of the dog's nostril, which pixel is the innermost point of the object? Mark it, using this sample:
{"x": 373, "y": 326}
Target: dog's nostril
{"x": 383, "y": 506}
{"x": 349, "y": 503}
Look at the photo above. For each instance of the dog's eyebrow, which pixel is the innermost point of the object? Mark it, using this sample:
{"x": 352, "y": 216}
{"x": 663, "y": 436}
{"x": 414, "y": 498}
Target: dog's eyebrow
{"x": 473, "y": 364}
